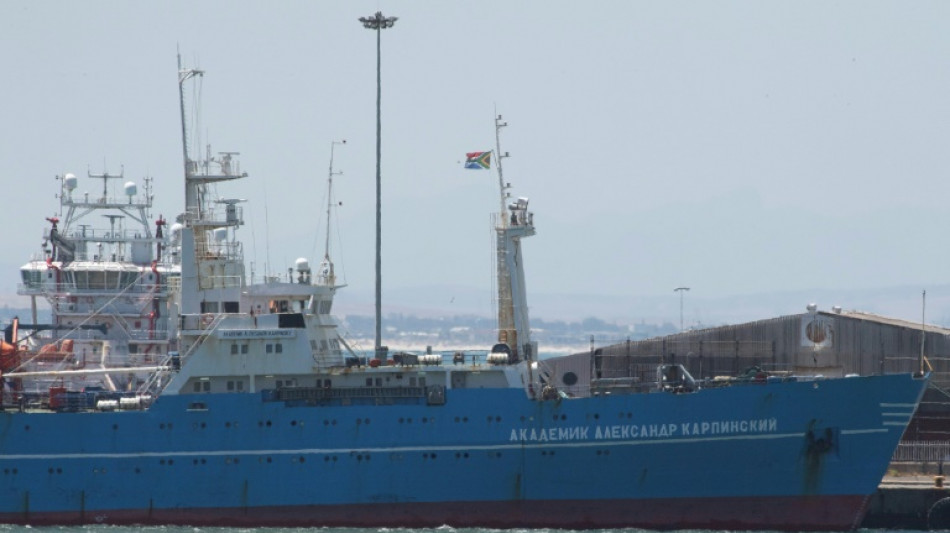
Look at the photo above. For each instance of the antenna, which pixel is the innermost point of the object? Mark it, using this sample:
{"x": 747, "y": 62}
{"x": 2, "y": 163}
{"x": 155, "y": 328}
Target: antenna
{"x": 326, "y": 250}
{"x": 105, "y": 177}
{"x": 183, "y": 76}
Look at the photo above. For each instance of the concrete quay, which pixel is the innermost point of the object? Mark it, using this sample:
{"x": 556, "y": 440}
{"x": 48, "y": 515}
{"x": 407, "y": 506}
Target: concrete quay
{"x": 905, "y": 497}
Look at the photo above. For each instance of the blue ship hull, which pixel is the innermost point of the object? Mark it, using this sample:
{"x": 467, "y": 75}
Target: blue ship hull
{"x": 792, "y": 455}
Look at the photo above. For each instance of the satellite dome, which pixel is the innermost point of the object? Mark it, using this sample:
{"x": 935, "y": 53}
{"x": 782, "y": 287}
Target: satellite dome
{"x": 302, "y": 265}
{"x": 130, "y": 188}
{"x": 71, "y": 181}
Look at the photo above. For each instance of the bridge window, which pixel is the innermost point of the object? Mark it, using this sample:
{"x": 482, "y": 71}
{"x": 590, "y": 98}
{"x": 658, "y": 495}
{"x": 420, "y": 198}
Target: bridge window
{"x": 32, "y": 278}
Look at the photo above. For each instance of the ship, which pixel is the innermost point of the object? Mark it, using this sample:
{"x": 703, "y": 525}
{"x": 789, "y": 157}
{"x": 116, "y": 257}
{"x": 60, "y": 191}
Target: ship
{"x": 262, "y": 416}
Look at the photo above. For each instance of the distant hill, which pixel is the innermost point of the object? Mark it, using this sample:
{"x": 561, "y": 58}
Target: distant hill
{"x": 902, "y": 302}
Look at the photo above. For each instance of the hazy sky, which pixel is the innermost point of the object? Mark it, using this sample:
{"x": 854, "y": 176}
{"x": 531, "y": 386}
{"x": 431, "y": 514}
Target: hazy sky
{"x": 733, "y": 147}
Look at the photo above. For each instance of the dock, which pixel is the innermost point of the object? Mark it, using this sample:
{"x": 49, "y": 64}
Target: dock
{"x": 903, "y": 501}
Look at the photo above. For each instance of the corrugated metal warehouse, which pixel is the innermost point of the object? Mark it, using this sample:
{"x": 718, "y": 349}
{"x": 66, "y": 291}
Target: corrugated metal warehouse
{"x": 815, "y": 342}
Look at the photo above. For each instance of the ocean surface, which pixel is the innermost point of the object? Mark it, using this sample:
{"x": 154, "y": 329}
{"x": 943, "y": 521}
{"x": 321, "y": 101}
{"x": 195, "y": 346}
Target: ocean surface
{"x": 444, "y": 529}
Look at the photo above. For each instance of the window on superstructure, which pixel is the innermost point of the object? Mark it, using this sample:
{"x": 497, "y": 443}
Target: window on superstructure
{"x": 335, "y": 344}
{"x": 234, "y": 350}
{"x": 128, "y": 278}
{"x": 279, "y": 348}
{"x": 97, "y": 280}
{"x": 243, "y": 349}
{"x": 230, "y": 386}
{"x": 268, "y": 348}
{"x": 325, "y": 307}
{"x": 206, "y": 386}
{"x": 240, "y": 385}
{"x": 31, "y": 278}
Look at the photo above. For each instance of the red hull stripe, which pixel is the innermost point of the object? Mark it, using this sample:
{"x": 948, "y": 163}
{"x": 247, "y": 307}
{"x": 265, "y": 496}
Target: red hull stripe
{"x": 773, "y": 513}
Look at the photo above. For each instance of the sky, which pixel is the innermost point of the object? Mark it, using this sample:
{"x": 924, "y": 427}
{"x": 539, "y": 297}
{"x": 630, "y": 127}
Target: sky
{"x": 735, "y": 148}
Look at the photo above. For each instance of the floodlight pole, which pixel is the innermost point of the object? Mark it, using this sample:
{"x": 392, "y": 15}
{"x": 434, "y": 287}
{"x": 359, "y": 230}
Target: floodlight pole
{"x": 378, "y": 23}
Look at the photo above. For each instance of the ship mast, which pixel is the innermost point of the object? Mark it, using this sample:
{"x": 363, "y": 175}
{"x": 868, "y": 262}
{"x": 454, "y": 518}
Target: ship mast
{"x": 212, "y": 267}
{"x": 512, "y": 225}
{"x": 191, "y": 197}
{"x": 327, "y": 277}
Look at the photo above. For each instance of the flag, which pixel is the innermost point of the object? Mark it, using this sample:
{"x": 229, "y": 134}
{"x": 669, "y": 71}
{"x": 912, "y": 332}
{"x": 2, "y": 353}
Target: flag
{"x": 478, "y": 160}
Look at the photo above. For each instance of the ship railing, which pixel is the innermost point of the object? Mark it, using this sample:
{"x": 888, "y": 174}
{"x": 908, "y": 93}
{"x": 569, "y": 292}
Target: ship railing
{"x": 221, "y": 282}
{"x": 304, "y": 394}
{"x": 922, "y": 452}
{"x": 148, "y": 334}
{"x": 30, "y": 288}
{"x": 65, "y": 291}
{"x": 106, "y": 235}
{"x": 224, "y": 250}
{"x": 614, "y": 365}
{"x": 230, "y": 215}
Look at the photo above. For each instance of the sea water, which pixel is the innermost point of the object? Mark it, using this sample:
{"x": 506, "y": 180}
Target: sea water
{"x": 443, "y": 529}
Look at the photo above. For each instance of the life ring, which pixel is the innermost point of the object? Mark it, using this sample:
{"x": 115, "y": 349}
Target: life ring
{"x": 207, "y": 319}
